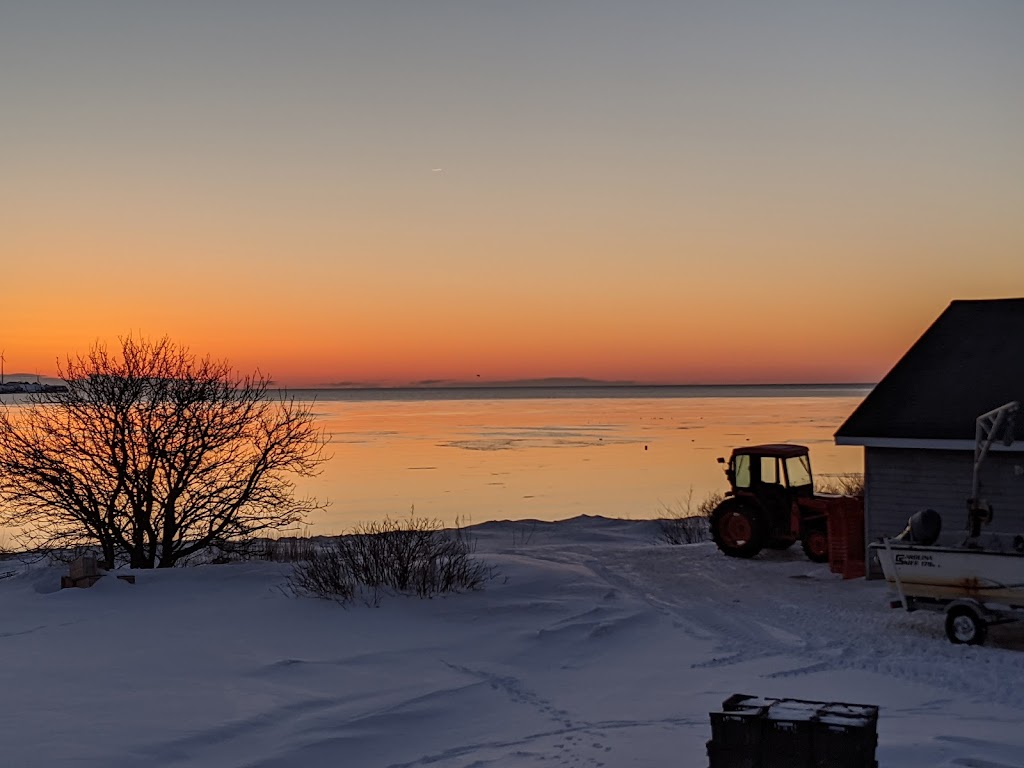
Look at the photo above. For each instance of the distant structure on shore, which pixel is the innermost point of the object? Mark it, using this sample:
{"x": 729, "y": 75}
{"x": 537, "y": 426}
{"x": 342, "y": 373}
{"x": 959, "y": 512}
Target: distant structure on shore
{"x": 23, "y": 387}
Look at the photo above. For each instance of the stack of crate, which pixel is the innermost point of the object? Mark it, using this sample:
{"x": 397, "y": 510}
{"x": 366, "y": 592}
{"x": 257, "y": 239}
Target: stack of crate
{"x": 83, "y": 571}
{"x": 758, "y": 732}
{"x": 846, "y": 549}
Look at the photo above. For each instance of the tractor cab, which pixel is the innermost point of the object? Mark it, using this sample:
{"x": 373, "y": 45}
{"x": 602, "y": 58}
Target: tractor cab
{"x": 779, "y": 469}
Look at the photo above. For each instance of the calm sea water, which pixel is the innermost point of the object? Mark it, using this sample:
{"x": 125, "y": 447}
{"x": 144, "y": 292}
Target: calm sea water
{"x": 478, "y": 454}
{"x": 481, "y": 454}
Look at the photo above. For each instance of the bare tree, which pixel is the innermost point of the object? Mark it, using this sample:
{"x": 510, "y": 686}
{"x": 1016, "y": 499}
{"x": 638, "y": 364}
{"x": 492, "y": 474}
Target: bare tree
{"x": 153, "y": 454}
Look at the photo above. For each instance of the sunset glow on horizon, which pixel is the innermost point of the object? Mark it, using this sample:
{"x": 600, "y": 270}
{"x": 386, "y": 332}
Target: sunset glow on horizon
{"x": 665, "y": 193}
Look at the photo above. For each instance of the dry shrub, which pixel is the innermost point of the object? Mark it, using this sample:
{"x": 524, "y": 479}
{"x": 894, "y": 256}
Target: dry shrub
{"x": 843, "y": 484}
{"x": 415, "y": 556}
{"x": 287, "y": 549}
{"x": 324, "y": 574}
{"x": 685, "y": 524}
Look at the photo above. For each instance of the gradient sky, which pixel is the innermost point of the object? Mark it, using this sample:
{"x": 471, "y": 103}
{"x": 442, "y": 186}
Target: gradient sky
{"x": 659, "y": 191}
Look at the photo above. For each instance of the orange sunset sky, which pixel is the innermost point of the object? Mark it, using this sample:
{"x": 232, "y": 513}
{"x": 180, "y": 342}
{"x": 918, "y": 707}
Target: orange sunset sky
{"x": 393, "y": 192}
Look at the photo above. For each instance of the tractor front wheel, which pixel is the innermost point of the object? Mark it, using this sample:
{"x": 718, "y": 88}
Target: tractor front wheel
{"x": 737, "y": 529}
{"x": 815, "y": 545}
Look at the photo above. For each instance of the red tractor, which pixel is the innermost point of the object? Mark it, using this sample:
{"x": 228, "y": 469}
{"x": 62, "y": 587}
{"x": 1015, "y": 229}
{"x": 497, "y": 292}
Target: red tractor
{"x": 772, "y": 503}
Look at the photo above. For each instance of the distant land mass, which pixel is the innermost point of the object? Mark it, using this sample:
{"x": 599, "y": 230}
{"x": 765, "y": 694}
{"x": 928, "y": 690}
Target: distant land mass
{"x": 31, "y": 378}
{"x": 551, "y": 381}
{"x": 562, "y": 381}
{"x": 19, "y": 384}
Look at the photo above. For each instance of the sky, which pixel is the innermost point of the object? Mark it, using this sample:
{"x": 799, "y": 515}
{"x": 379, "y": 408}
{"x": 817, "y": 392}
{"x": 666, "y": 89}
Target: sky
{"x": 395, "y": 192}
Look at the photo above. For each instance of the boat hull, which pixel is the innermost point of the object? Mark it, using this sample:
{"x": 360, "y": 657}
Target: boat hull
{"x": 948, "y": 573}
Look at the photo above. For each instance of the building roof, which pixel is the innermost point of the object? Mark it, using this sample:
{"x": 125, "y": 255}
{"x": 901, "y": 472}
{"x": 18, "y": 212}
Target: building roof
{"x": 970, "y": 361}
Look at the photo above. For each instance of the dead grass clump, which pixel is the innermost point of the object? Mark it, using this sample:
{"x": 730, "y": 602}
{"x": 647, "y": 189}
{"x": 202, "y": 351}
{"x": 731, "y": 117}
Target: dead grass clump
{"x": 287, "y": 549}
{"x": 686, "y": 523}
{"x": 843, "y": 484}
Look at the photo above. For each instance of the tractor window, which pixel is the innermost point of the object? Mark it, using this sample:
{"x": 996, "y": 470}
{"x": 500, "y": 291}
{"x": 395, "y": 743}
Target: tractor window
{"x": 799, "y": 470}
{"x": 741, "y": 471}
{"x": 769, "y": 470}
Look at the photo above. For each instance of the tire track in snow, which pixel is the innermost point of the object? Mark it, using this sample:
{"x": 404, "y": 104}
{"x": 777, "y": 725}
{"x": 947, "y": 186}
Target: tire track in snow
{"x": 781, "y": 605}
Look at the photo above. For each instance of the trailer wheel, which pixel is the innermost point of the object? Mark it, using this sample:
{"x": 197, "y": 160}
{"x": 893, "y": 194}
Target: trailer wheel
{"x": 964, "y": 626}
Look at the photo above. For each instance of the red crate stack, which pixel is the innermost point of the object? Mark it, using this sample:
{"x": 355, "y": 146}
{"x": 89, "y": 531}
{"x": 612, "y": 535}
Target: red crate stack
{"x": 846, "y": 550}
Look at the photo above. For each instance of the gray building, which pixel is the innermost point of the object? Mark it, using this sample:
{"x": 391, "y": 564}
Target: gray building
{"x": 917, "y": 426}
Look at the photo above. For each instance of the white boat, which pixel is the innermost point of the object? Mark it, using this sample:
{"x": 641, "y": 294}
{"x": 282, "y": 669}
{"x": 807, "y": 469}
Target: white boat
{"x": 951, "y": 573}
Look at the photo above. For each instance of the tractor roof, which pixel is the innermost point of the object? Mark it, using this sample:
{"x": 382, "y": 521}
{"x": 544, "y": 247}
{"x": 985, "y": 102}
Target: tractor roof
{"x": 782, "y": 450}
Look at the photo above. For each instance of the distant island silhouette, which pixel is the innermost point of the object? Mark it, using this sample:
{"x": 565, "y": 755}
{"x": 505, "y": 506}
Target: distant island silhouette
{"x": 553, "y": 381}
{"x": 27, "y": 383}
{"x": 29, "y": 387}
{"x": 559, "y": 382}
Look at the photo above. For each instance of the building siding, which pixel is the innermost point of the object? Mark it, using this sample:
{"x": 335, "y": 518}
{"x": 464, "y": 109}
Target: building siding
{"x": 899, "y": 482}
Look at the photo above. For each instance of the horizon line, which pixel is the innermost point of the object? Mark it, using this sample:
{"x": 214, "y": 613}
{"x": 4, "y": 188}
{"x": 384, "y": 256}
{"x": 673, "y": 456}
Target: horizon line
{"x": 568, "y": 384}
{"x": 552, "y": 382}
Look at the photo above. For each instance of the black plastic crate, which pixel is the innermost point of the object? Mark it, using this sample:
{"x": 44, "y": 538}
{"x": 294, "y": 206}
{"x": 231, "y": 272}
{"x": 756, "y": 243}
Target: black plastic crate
{"x": 740, "y": 757}
{"x": 741, "y": 722}
{"x": 845, "y": 736}
{"x": 786, "y": 742}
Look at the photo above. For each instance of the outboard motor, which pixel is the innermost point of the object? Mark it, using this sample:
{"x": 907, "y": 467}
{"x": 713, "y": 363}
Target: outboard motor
{"x": 923, "y": 527}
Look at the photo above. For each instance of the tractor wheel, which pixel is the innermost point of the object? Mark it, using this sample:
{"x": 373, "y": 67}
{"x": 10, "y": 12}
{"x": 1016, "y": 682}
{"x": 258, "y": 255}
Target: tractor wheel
{"x": 737, "y": 529}
{"x": 815, "y": 545}
{"x": 780, "y": 544}
{"x": 964, "y": 626}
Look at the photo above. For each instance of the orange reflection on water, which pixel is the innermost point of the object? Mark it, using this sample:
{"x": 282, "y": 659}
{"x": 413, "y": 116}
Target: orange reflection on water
{"x": 476, "y": 460}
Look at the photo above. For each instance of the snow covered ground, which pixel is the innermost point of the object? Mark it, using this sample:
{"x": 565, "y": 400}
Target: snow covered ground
{"x": 594, "y": 646}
